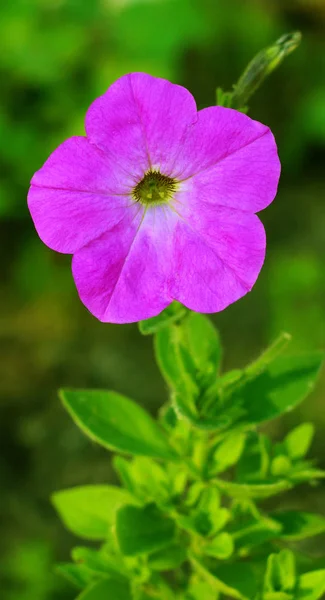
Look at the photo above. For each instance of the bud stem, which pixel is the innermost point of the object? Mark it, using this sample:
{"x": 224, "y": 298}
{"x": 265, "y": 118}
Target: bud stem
{"x": 261, "y": 66}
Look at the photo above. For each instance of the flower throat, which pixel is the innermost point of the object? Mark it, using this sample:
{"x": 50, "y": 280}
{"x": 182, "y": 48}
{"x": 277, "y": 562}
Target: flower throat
{"x": 154, "y": 188}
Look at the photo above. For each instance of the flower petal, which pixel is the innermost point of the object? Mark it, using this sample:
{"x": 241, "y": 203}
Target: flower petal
{"x": 75, "y": 197}
{"x": 217, "y": 258}
{"x": 77, "y": 164}
{"x": 122, "y": 277}
{"x": 141, "y": 121}
{"x": 233, "y": 159}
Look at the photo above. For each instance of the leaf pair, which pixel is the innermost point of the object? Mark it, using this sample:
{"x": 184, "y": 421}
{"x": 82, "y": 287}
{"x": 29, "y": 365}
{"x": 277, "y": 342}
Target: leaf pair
{"x": 189, "y": 356}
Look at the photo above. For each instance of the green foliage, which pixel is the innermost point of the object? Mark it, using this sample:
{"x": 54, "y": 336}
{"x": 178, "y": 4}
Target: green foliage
{"x": 174, "y": 312}
{"x": 77, "y": 575}
{"x": 192, "y": 483}
{"x": 142, "y": 530}
{"x": 116, "y": 422}
{"x": 281, "y": 582}
{"x": 89, "y": 511}
{"x": 297, "y": 525}
{"x": 311, "y": 586}
{"x": 106, "y": 589}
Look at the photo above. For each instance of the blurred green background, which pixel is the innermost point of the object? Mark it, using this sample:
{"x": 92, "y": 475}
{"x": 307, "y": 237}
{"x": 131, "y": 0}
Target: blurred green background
{"x": 56, "y": 56}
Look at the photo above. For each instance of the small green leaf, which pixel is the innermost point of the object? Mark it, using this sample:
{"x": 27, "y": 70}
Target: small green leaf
{"x": 288, "y": 569}
{"x": 107, "y": 589}
{"x": 221, "y": 547}
{"x": 257, "y": 491}
{"x": 223, "y": 98}
{"x": 203, "y": 342}
{"x": 144, "y": 478}
{"x": 175, "y": 362}
{"x": 167, "y": 559}
{"x": 116, "y": 422}
{"x": 253, "y": 466}
{"x": 228, "y": 452}
{"x": 279, "y": 388}
{"x": 281, "y": 466}
{"x": 277, "y": 596}
{"x": 174, "y": 312}
{"x": 200, "y": 590}
{"x": 236, "y": 580}
{"x": 280, "y": 573}
{"x": 204, "y": 523}
{"x": 89, "y": 511}
{"x": 305, "y": 472}
{"x": 207, "y": 518}
{"x": 99, "y": 562}
{"x": 299, "y": 440}
{"x": 189, "y": 356}
{"x": 78, "y": 575}
{"x": 297, "y": 525}
{"x": 255, "y": 532}
{"x": 311, "y": 586}
{"x": 143, "y": 530}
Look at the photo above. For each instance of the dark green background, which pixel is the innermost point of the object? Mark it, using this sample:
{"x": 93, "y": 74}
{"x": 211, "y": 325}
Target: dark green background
{"x": 56, "y": 56}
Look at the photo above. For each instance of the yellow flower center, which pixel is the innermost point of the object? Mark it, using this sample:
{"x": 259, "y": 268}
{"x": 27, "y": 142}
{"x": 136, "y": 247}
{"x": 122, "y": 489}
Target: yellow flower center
{"x": 155, "y": 188}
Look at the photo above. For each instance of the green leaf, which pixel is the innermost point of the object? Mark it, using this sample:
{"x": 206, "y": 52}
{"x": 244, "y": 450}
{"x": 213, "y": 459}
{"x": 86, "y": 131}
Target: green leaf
{"x": 189, "y": 357}
{"x": 279, "y": 388}
{"x": 298, "y": 525}
{"x": 221, "y": 547}
{"x": 253, "y": 466}
{"x": 280, "y": 573}
{"x": 169, "y": 558}
{"x": 200, "y": 590}
{"x": 223, "y": 98}
{"x": 257, "y": 491}
{"x": 107, "y": 589}
{"x": 228, "y": 452}
{"x": 236, "y": 580}
{"x": 116, "y": 422}
{"x": 144, "y": 478}
{"x": 78, "y": 575}
{"x": 175, "y": 362}
{"x": 89, "y": 511}
{"x": 281, "y": 466}
{"x": 143, "y": 530}
{"x": 203, "y": 342}
{"x": 305, "y": 472}
{"x": 174, "y": 312}
{"x": 311, "y": 586}
{"x": 287, "y": 563}
{"x": 299, "y": 440}
{"x": 99, "y": 562}
{"x": 255, "y": 532}
{"x": 277, "y": 596}
{"x": 207, "y": 518}
{"x": 209, "y": 505}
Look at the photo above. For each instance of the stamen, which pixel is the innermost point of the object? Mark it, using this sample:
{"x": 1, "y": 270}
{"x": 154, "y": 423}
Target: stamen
{"x": 155, "y": 188}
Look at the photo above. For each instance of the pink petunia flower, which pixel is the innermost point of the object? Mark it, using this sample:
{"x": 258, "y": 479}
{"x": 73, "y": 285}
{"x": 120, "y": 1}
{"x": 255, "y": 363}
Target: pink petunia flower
{"x": 157, "y": 203}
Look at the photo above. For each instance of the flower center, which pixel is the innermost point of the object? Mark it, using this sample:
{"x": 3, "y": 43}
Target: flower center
{"x": 154, "y": 188}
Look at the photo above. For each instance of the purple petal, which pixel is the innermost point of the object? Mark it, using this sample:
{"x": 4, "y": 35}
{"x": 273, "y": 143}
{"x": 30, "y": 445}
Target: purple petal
{"x": 141, "y": 121}
{"x": 217, "y": 258}
{"x": 233, "y": 159}
{"x": 122, "y": 277}
{"x": 75, "y": 197}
